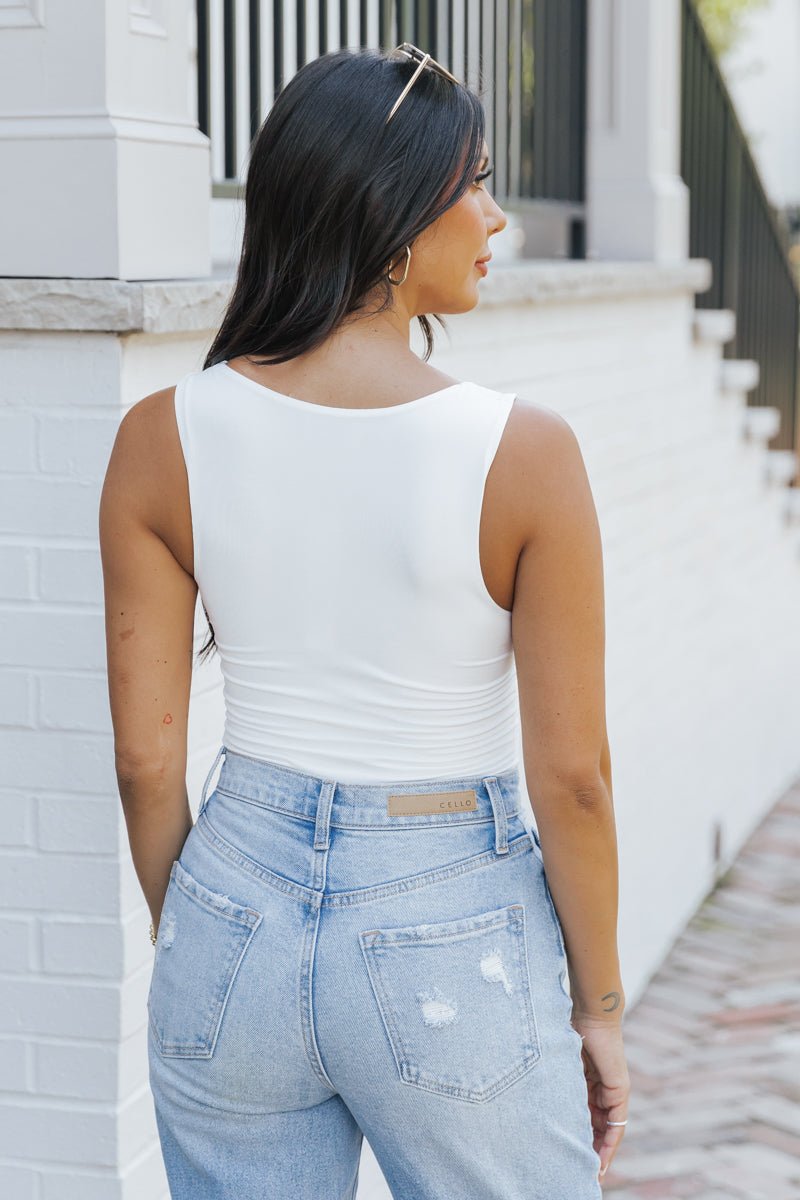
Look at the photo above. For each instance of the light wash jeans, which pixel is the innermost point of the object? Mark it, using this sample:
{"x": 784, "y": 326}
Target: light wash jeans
{"x": 339, "y": 960}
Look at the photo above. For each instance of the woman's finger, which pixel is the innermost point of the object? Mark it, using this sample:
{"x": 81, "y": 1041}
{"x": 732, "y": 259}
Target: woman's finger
{"x": 608, "y": 1138}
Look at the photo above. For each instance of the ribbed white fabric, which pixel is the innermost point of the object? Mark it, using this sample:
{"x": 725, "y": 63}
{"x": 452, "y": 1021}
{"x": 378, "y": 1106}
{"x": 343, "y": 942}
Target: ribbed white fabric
{"x": 336, "y": 551}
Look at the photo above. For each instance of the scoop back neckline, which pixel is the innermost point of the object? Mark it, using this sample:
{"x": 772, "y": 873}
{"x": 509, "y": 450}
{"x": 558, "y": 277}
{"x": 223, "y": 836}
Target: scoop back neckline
{"x": 296, "y": 402}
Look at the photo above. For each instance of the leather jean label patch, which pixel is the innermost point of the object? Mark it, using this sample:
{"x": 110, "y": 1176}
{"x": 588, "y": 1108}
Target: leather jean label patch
{"x": 431, "y": 802}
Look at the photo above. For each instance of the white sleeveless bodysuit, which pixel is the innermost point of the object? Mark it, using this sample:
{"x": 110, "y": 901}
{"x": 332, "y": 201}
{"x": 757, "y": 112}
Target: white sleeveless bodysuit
{"x": 336, "y": 552}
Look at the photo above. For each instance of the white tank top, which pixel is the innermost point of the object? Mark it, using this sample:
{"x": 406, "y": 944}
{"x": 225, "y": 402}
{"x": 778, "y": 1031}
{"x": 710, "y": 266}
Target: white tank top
{"x": 336, "y": 552}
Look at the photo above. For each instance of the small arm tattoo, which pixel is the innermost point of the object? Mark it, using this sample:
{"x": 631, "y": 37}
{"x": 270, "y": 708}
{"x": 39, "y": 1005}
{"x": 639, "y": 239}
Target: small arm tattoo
{"x": 614, "y": 997}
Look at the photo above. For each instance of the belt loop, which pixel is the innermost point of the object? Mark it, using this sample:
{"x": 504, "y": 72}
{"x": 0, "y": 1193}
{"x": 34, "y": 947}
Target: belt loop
{"x": 500, "y": 817}
{"x": 322, "y": 825}
{"x": 203, "y": 797}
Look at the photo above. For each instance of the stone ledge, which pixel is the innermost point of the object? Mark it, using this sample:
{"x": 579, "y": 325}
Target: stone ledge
{"x": 164, "y": 306}
{"x": 113, "y": 305}
{"x": 537, "y": 282}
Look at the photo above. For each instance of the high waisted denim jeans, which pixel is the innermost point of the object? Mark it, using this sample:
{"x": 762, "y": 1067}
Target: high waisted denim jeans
{"x": 339, "y": 960}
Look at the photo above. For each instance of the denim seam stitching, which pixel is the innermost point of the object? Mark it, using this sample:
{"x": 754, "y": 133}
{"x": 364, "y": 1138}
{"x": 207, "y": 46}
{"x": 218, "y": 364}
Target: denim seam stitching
{"x": 460, "y": 929}
{"x": 411, "y": 883}
{"x": 251, "y": 867}
{"x": 240, "y": 913}
{"x": 306, "y": 1000}
{"x": 363, "y": 895}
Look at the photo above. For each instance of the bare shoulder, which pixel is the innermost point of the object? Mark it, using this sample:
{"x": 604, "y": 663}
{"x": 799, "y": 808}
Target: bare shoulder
{"x": 146, "y": 475}
{"x": 536, "y": 432}
{"x": 147, "y": 447}
{"x": 542, "y": 466}
{"x": 148, "y": 420}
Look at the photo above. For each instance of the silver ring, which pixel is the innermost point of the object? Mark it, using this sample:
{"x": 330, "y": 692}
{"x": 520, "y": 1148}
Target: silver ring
{"x": 616, "y": 1122}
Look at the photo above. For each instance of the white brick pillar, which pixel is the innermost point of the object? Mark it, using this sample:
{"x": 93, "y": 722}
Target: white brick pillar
{"x": 104, "y": 171}
{"x": 637, "y": 203}
{"x": 105, "y": 180}
{"x": 76, "y": 1113}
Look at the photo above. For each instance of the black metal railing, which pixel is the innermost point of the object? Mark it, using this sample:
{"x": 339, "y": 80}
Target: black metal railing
{"x": 733, "y": 224}
{"x": 526, "y": 58}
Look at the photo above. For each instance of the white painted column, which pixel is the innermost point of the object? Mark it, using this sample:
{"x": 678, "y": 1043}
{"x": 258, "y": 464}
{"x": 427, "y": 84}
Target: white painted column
{"x": 77, "y": 1120}
{"x": 104, "y": 172}
{"x": 104, "y": 179}
{"x": 637, "y": 203}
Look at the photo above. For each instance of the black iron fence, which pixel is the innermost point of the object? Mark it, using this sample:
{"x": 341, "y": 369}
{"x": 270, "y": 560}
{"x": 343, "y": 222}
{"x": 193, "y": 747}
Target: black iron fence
{"x": 733, "y": 224}
{"x": 526, "y": 58}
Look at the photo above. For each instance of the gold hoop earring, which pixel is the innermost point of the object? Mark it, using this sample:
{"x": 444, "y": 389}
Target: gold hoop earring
{"x": 397, "y": 282}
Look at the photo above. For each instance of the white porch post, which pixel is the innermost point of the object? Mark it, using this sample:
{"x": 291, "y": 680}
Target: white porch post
{"x": 104, "y": 186}
{"x": 105, "y": 174}
{"x": 637, "y": 203}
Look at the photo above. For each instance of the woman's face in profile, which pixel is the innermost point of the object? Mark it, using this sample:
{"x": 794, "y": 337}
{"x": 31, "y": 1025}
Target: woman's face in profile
{"x": 443, "y": 276}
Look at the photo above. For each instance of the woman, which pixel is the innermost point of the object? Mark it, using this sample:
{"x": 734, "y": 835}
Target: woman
{"x": 357, "y": 934}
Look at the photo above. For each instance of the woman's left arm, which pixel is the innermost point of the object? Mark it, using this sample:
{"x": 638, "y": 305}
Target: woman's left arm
{"x": 149, "y": 620}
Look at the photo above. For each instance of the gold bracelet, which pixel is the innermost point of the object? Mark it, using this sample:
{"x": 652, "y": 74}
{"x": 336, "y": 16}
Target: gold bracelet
{"x": 153, "y": 934}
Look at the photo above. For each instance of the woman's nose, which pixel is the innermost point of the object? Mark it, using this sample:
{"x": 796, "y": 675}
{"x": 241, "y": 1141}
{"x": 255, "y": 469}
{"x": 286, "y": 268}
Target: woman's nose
{"x": 499, "y": 218}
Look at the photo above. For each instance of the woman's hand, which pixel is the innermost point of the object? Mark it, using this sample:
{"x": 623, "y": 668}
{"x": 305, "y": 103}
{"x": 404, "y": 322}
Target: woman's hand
{"x": 607, "y": 1081}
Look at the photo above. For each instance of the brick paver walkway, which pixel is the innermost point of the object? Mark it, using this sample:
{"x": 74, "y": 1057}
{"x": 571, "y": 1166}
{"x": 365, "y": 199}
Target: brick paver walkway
{"x": 713, "y": 1045}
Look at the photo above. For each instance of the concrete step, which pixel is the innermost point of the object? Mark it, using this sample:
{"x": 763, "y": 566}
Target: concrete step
{"x": 792, "y": 505}
{"x": 716, "y": 325}
{"x": 760, "y": 422}
{"x": 738, "y": 374}
{"x": 781, "y": 467}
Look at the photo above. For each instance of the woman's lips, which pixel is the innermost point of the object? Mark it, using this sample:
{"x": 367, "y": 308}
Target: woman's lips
{"x": 483, "y": 267}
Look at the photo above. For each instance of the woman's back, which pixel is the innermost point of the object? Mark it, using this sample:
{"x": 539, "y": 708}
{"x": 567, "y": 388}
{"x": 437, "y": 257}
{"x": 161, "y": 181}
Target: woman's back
{"x": 337, "y": 554}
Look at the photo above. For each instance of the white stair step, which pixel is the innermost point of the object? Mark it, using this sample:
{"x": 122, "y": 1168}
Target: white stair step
{"x": 760, "y": 422}
{"x": 792, "y": 505}
{"x": 739, "y": 374}
{"x": 781, "y": 467}
{"x": 714, "y": 325}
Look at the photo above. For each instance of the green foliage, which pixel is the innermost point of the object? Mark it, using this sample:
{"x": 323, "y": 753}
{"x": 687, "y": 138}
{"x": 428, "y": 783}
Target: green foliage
{"x": 724, "y": 20}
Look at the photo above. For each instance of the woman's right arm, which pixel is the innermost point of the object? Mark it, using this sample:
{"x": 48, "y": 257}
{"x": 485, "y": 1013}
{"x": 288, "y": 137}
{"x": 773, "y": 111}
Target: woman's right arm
{"x": 558, "y": 631}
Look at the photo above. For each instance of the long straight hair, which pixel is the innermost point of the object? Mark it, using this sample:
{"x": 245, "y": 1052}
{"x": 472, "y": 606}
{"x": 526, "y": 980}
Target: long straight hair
{"x": 334, "y": 195}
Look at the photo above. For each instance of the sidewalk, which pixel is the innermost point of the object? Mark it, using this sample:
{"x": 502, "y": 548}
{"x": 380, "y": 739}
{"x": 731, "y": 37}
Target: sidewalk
{"x": 714, "y": 1043}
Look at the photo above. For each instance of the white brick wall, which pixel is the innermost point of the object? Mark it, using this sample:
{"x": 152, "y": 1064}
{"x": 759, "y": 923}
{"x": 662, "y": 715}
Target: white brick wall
{"x": 702, "y": 592}
{"x": 76, "y": 1119}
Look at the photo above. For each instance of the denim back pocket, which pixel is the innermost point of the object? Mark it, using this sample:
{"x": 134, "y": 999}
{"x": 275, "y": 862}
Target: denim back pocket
{"x": 455, "y": 999}
{"x": 202, "y": 939}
